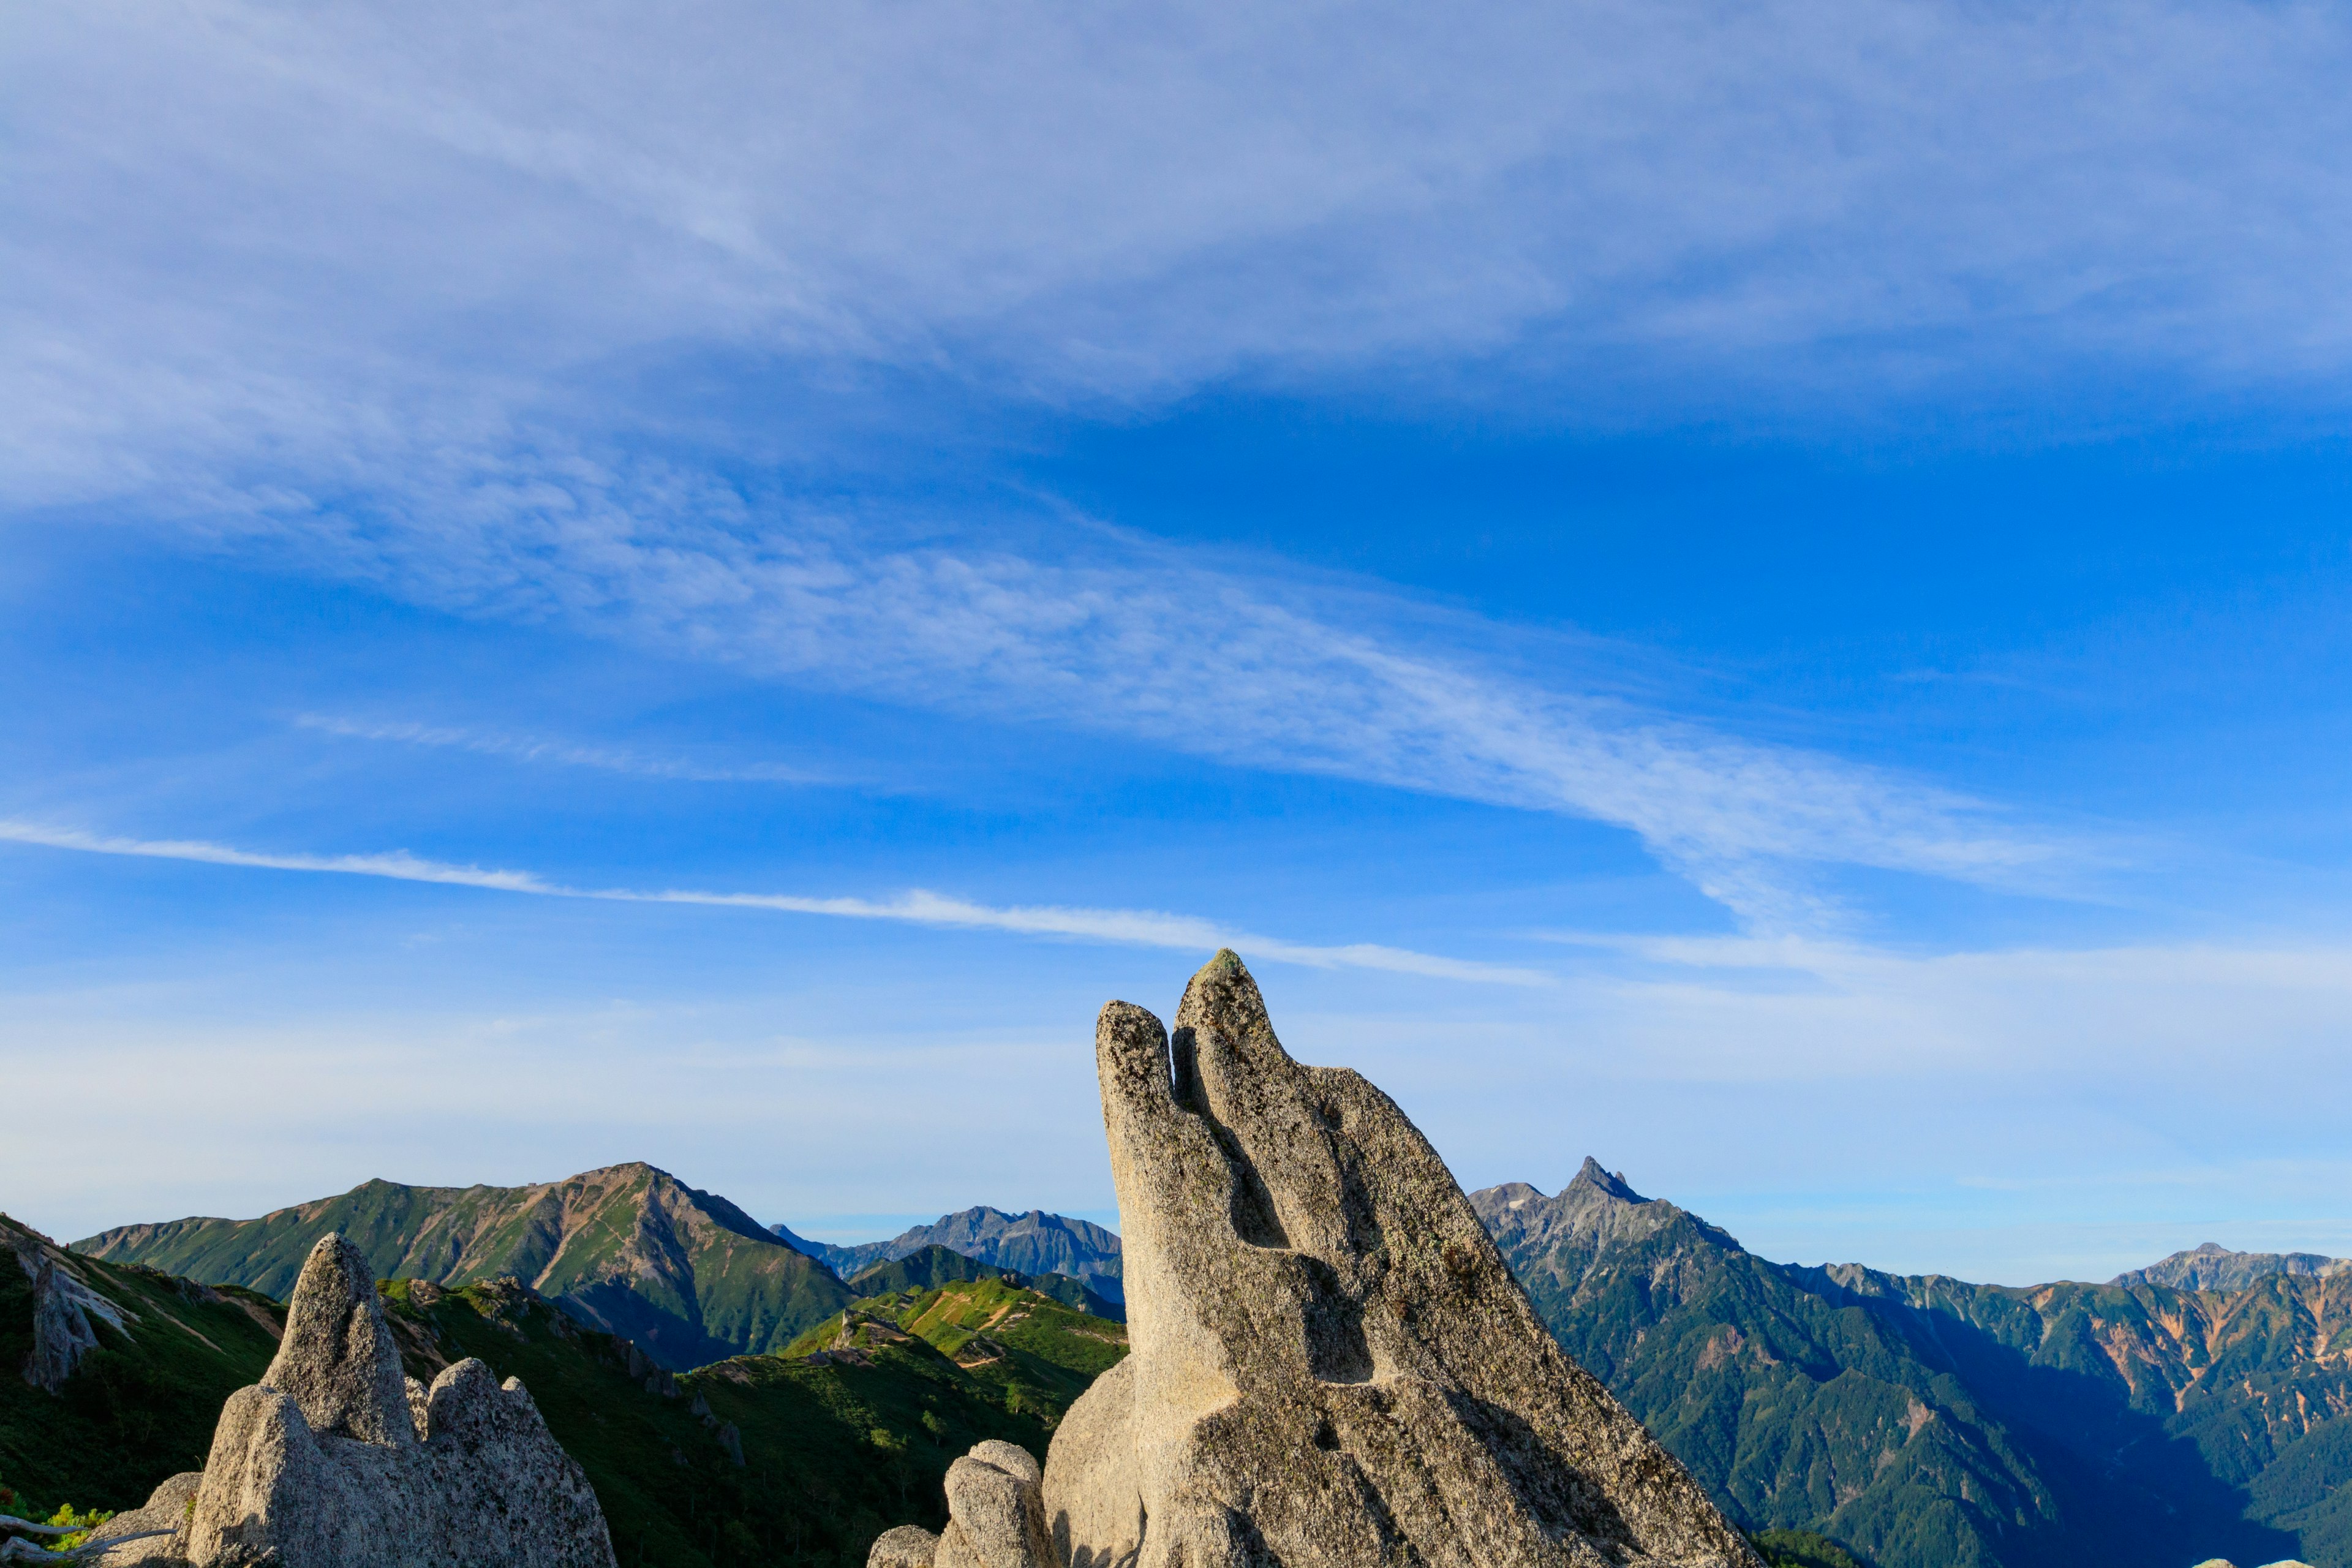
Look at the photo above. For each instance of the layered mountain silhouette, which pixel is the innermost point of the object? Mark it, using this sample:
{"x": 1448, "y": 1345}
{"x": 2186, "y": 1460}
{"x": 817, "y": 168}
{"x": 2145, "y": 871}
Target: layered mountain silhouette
{"x": 1031, "y": 1242}
{"x": 1924, "y": 1421}
{"x": 629, "y": 1249}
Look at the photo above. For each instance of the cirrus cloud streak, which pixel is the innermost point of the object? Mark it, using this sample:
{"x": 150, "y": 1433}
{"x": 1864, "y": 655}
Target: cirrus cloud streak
{"x": 1145, "y": 928}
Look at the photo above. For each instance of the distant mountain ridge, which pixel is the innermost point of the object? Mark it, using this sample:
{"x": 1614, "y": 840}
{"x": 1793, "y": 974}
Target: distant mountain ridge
{"x": 935, "y": 1266}
{"x": 2212, "y": 1267}
{"x": 1925, "y": 1421}
{"x": 1031, "y": 1242}
{"x": 626, "y": 1248}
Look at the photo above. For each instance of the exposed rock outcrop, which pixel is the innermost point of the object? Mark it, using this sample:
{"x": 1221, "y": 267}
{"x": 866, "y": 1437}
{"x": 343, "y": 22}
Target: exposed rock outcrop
{"x": 325, "y": 1462}
{"x": 2212, "y": 1267}
{"x": 151, "y": 1532}
{"x": 65, "y": 1311}
{"x": 1332, "y": 1365}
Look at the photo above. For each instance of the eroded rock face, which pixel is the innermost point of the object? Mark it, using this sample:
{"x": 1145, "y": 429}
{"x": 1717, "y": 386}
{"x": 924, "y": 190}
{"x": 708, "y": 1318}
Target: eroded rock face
{"x": 325, "y": 1462}
{"x": 996, "y": 1517}
{"x": 1332, "y": 1365}
{"x": 65, "y": 1311}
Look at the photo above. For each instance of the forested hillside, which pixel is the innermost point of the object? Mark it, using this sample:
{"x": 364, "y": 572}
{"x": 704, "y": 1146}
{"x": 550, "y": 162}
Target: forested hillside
{"x": 1924, "y": 1421}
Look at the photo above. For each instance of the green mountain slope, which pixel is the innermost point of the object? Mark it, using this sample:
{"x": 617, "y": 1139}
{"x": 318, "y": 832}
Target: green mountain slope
{"x": 935, "y": 1265}
{"x": 684, "y": 1274}
{"x": 1036, "y": 1353}
{"x": 1924, "y": 1422}
{"x": 143, "y": 1404}
{"x": 754, "y": 1460}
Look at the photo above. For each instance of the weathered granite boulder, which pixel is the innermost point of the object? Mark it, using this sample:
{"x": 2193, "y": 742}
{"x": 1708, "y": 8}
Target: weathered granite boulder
{"x": 908, "y": 1546}
{"x": 1331, "y": 1365}
{"x": 325, "y": 1461}
{"x": 996, "y": 1517}
{"x": 150, "y": 1533}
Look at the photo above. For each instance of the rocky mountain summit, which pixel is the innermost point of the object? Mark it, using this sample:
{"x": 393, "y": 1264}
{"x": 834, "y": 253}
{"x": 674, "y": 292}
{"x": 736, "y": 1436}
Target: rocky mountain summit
{"x": 1924, "y": 1421}
{"x": 1331, "y": 1363}
{"x": 2212, "y": 1267}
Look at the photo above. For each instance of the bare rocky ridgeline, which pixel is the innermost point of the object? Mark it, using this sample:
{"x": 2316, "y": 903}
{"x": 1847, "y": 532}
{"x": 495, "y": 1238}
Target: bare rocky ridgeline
{"x": 335, "y": 1457}
{"x": 1332, "y": 1365}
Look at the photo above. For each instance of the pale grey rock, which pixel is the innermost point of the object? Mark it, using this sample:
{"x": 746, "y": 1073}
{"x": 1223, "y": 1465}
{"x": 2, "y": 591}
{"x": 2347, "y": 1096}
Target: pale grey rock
{"x": 1332, "y": 1364}
{"x": 908, "y": 1546}
{"x": 66, "y": 1311}
{"x": 337, "y": 1361}
{"x": 996, "y": 1517}
{"x": 166, "y": 1510}
{"x": 336, "y": 1458}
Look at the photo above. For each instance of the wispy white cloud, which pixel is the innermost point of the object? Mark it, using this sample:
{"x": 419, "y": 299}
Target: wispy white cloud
{"x": 534, "y": 749}
{"x": 1145, "y": 928}
{"x": 1123, "y": 639}
{"x": 440, "y": 222}
{"x": 406, "y": 369}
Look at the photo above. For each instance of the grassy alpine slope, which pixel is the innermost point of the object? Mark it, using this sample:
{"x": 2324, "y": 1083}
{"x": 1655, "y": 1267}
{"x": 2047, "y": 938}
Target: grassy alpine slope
{"x": 1926, "y": 1421}
{"x": 935, "y": 1265}
{"x": 143, "y": 1405}
{"x": 797, "y": 1458}
{"x": 753, "y": 1459}
{"x": 628, "y": 1248}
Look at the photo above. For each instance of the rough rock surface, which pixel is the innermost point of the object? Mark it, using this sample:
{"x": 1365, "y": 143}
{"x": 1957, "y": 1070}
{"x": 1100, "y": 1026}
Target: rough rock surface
{"x": 996, "y": 1517}
{"x": 324, "y": 1462}
{"x": 908, "y": 1546}
{"x": 166, "y": 1509}
{"x": 1332, "y": 1364}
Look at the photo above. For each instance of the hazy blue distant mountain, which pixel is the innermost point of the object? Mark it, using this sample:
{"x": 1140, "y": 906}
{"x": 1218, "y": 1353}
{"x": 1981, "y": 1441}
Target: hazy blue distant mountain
{"x": 2213, "y": 1267}
{"x": 1031, "y": 1242}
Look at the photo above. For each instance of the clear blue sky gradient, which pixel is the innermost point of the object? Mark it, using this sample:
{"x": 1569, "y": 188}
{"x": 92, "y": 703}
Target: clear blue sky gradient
{"x": 1763, "y": 597}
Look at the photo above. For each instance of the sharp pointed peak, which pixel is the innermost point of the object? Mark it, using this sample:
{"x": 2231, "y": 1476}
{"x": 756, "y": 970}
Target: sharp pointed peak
{"x": 1593, "y": 1175}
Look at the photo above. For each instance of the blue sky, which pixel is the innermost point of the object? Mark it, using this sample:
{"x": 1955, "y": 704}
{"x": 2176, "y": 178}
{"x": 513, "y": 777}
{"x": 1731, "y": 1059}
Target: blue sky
{"x": 1757, "y": 594}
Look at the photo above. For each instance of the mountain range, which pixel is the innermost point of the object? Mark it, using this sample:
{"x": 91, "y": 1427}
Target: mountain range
{"x": 1924, "y": 1421}
{"x": 629, "y": 1249}
{"x": 2199, "y": 1409}
{"x": 768, "y": 1458}
{"x": 1031, "y": 1242}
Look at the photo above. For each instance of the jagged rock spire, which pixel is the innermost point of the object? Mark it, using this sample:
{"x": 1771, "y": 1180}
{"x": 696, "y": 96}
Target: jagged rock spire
{"x": 337, "y": 1362}
{"x": 1332, "y": 1364}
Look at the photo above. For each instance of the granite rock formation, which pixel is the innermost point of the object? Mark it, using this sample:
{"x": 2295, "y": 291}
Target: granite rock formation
{"x": 1332, "y": 1364}
{"x": 324, "y": 1462}
{"x": 151, "y": 1532}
